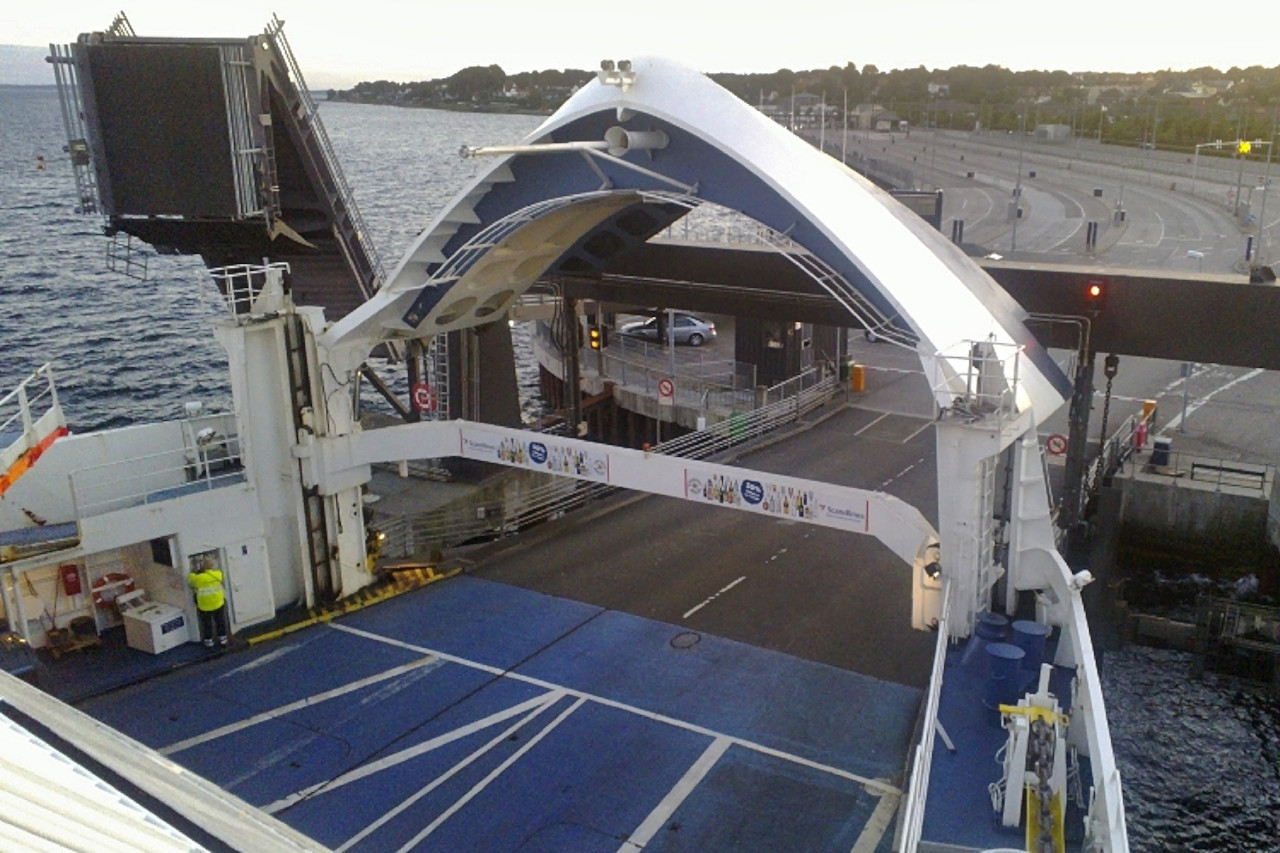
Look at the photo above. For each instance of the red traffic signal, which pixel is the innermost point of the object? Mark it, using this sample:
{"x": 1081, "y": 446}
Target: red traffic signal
{"x": 1095, "y": 293}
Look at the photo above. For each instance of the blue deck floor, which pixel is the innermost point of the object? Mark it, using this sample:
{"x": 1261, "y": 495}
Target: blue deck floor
{"x": 959, "y": 808}
{"x": 472, "y": 715}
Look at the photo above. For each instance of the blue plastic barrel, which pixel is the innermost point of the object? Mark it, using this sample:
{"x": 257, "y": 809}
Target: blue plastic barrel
{"x": 1031, "y": 638}
{"x": 990, "y": 628}
{"x": 1003, "y": 680}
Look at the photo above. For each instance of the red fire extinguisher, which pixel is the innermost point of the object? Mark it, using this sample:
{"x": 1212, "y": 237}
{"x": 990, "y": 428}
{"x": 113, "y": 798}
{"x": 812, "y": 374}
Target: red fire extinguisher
{"x": 70, "y": 579}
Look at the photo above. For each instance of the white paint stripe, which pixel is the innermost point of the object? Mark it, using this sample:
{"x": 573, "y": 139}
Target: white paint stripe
{"x": 280, "y": 711}
{"x": 270, "y": 657}
{"x": 484, "y": 783}
{"x": 547, "y": 702}
{"x": 927, "y": 425}
{"x": 1199, "y": 402}
{"x": 407, "y": 754}
{"x": 875, "y": 784}
{"x": 879, "y": 821}
{"x": 873, "y": 423}
{"x": 664, "y": 810}
{"x": 713, "y": 597}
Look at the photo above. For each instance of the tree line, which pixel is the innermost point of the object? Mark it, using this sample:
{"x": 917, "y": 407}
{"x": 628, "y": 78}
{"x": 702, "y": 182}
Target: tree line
{"x": 1166, "y": 109}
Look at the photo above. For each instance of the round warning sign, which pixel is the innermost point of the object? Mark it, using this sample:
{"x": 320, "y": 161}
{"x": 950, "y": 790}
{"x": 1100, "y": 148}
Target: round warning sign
{"x": 1056, "y": 444}
{"x": 666, "y": 391}
{"x": 424, "y": 397}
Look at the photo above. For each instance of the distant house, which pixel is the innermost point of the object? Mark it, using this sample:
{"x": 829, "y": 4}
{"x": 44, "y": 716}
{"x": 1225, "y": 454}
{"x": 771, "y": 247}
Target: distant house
{"x": 940, "y": 90}
{"x": 1202, "y": 90}
{"x": 801, "y": 110}
{"x": 888, "y": 122}
{"x": 1052, "y": 132}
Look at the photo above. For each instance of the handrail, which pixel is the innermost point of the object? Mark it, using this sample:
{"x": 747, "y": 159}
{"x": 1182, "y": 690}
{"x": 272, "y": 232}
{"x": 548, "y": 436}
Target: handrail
{"x": 275, "y": 32}
{"x": 917, "y": 792}
{"x": 203, "y": 465}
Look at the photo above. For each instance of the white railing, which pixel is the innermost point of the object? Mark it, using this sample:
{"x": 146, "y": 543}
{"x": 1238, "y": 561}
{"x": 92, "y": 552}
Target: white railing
{"x": 981, "y": 378}
{"x": 28, "y": 415}
{"x": 207, "y": 461}
{"x": 917, "y": 793}
{"x": 242, "y": 284}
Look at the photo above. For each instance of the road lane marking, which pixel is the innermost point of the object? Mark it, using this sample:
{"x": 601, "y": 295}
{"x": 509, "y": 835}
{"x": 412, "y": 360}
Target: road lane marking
{"x": 661, "y": 813}
{"x": 713, "y": 597}
{"x": 281, "y": 710}
{"x": 685, "y": 725}
{"x": 876, "y": 825}
{"x": 1200, "y": 401}
{"x": 484, "y": 783}
{"x": 537, "y": 703}
{"x": 458, "y": 768}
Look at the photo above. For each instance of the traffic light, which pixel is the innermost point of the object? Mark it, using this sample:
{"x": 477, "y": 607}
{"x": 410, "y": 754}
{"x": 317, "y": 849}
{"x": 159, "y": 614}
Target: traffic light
{"x": 595, "y": 337}
{"x": 1095, "y": 294}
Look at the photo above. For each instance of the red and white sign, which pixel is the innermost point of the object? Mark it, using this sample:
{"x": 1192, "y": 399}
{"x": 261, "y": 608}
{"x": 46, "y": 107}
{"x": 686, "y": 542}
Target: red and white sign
{"x": 424, "y": 397}
{"x": 1056, "y": 444}
{"x": 666, "y": 392}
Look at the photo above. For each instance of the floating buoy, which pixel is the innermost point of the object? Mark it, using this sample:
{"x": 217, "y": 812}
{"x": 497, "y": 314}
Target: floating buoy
{"x": 40, "y": 163}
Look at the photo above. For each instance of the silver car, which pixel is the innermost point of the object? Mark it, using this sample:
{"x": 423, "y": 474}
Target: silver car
{"x": 688, "y": 330}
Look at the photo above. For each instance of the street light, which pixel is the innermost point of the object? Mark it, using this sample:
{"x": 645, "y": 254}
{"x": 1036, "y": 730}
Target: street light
{"x": 1017, "y": 187}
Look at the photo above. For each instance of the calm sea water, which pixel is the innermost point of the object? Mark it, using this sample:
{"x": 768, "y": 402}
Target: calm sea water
{"x": 1200, "y": 760}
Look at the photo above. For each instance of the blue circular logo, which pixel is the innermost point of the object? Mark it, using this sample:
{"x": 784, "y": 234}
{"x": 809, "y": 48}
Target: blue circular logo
{"x": 752, "y": 492}
{"x": 537, "y": 452}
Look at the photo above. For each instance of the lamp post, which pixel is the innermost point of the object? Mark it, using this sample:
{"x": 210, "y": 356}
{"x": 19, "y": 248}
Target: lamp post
{"x": 1266, "y": 182}
{"x": 1017, "y": 187}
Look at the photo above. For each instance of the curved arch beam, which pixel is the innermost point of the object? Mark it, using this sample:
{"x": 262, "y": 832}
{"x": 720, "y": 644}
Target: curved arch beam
{"x": 720, "y": 150}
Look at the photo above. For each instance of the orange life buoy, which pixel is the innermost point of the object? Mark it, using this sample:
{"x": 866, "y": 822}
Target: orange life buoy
{"x": 107, "y": 587}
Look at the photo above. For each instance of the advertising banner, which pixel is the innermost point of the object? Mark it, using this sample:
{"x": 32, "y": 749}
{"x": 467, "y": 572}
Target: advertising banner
{"x": 539, "y": 453}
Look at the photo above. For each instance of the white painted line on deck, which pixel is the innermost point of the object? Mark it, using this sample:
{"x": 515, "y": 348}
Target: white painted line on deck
{"x": 879, "y": 821}
{"x": 547, "y": 702}
{"x": 537, "y": 702}
{"x": 678, "y": 794}
{"x": 685, "y": 725}
{"x": 280, "y": 711}
{"x": 484, "y": 783}
{"x": 713, "y": 597}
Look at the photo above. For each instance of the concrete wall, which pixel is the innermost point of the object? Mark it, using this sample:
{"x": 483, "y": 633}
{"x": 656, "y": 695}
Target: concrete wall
{"x": 1198, "y": 527}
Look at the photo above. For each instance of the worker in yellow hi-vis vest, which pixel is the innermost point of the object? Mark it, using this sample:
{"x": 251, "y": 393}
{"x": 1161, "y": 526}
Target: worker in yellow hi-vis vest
{"x": 206, "y": 580}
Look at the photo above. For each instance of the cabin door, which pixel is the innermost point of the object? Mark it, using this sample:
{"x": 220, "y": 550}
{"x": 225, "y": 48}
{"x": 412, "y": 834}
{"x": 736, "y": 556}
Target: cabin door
{"x": 248, "y": 583}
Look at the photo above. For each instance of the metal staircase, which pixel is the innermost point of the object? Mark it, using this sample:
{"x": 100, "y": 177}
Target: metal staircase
{"x": 246, "y": 154}
{"x": 349, "y": 227}
{"x": 827, "y": 277}
{"x": 438, "y": 375}
{"x": 325, "y": 580}
{"x": 65, "y": 75}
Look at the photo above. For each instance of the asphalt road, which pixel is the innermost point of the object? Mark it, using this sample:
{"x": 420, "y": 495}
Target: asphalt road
{"x": 1171, "y": 205}
{"x": 812, "y": 592}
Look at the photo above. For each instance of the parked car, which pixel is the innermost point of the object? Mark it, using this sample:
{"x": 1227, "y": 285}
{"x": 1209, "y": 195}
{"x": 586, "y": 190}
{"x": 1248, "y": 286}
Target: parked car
{"x": 688, "y": 330}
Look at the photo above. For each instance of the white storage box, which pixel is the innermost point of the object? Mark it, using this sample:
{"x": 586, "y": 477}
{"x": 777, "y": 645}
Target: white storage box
{"x": 155, "y": 627}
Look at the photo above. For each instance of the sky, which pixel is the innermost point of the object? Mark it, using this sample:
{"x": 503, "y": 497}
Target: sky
{"x": 340, "y": 44}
